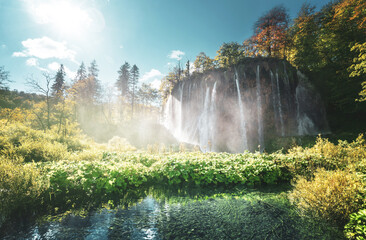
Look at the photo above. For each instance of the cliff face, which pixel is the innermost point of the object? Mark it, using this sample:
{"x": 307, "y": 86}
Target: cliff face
{"x": 242, "y": 107}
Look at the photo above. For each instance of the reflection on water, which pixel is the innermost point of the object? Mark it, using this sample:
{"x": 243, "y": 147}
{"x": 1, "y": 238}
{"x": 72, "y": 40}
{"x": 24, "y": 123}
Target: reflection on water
{"x": 183, "y": 214}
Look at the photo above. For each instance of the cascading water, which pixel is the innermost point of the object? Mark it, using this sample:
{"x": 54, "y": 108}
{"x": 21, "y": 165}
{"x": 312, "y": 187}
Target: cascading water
{"x": 241, "y": 111}
{"x": 213, "y": 117}
{"x": 219, "y": 114}
{"x": 279, "y": 105}
{"x": 203, "y": 126}
{"x": 259, "y": 112}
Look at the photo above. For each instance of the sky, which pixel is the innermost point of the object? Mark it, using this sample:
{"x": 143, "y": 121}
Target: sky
{"x": 36, "y": 36}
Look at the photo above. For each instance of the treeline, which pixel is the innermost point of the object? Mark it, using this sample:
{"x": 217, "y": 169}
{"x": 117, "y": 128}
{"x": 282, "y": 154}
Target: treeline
{"x": 328, "y": 45}
{"x": 58, "y": 103}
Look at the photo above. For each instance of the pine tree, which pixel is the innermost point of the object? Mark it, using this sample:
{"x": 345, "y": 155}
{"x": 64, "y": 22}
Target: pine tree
{"x": 59, "y": 84}
{"x": 133, "y": 83}
{"x": 124, "y": 79}
{"x": 93, "y": 88}
{"x": 81, "y": 73}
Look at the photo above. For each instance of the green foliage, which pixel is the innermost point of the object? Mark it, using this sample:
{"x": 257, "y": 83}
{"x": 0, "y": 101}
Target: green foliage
{"x": 203, "y": 62}
{"x": 359, "y": 67}
{"x": 229, "y": 54}
{"x": 217, "y": 168}
{"x": 324, "y": 154}
{"x": 21, "y": 187}
{"x": 331, "y": 195}
{"x": 18, "y": 140}
{"x": 356, "y": 227}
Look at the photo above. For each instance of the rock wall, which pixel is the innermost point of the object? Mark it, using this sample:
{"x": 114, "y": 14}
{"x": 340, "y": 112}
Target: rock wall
{"x": 242, "y": 107}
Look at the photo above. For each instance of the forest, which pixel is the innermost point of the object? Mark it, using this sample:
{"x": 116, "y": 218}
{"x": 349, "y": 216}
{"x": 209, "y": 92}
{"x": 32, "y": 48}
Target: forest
{"x": 70, "y": 147}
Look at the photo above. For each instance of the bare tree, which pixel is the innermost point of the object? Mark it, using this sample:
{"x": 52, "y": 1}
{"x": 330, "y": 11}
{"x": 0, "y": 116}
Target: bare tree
{"x": 4, "y": 77}
{"x": 44, "y": 89}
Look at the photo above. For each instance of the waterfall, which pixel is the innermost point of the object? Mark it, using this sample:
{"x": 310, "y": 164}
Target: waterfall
{"x": 279, "y": 105}
{"x": 213, "y": 117}
{"x": 204, "y": 110}
{"x": 259, "y": 112}
{"x": 180, "y": 120}
{"x": 203, "y": 126}
{"x": 305, "y": 125}
{"x": 241, "y": 111}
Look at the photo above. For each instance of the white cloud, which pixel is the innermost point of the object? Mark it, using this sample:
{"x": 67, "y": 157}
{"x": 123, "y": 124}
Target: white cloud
{"x": 55, "y": 66}
{"x": 45, "y": 48}
{"x": 154, "y": 73}
{"x": 156, "y": 83}
{"x": 31, "y": 62}
{"x": 176, "y": 54}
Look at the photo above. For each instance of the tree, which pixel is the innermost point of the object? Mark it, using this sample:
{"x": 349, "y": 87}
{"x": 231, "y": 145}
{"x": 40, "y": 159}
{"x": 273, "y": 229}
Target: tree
{"x": 358, "y": 69}
{"x": 249, "y": 49}
{"x": 81, "y": 73}
{"x": 148, "y": 96}
{"x": 58, "y": 86}
{"x": 134, "y": 80}
{"x": 4, "y": 77}
{"x": 93, "y": 85}
{"x": 203, "y": 62}
{"x": 44, "y": 89}
{"x": 229, "y": 54}
{"x": 123, "y": 79}
{"x": 86, "y": 87}
{"x": 187, "y": 69}
{"x": 270, "y": 32}
{"x": 305, "y": 39}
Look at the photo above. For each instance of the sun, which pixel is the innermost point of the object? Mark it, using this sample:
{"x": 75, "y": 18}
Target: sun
{"x": 66, "y": 17}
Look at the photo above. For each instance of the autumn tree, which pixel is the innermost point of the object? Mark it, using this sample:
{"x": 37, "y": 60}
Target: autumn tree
{"x": 229, "y": 54}
{"x": 135, "y": 74}
{"x": 270, "y": 32}
{"x": 249, "y": 49}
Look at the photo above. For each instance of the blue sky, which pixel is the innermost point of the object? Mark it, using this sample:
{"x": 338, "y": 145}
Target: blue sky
{"x": 38, "y": 35}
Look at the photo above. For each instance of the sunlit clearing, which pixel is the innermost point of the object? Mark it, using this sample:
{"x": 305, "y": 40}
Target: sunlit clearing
{"x": 62, "y": 16}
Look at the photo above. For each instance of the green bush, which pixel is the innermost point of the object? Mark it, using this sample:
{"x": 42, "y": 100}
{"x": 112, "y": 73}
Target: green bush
{"x": 42, "y": 151}
{"x": 356, "y": 227}
{"x": 21, "y": 187}
{"x": 331, "y": 195}
{"x": 324, "y": 154}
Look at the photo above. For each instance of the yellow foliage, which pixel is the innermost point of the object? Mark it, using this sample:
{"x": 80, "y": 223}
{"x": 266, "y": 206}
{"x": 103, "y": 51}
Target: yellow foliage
{"x": 21, "y": 185}
{"x": 331, "y": 195}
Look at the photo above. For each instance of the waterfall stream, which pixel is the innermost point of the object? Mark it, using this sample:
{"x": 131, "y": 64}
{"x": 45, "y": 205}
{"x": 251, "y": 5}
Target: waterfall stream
{"x": 259, "y": 111}
{"x": 241, "y": 112}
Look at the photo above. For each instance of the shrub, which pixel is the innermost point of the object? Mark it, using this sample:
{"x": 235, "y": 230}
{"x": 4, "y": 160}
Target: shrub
{"x": 331, "y": 195}
{"x": 42, "y": 151}
{"x": 120, "y": 145}
{"x": 356, "y": 227}
{"x": 324, "y": 154}
{"x": 21, "y": 186}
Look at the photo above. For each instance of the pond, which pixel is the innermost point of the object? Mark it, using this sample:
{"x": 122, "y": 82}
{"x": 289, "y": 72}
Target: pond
{"x": 183, "y": 213}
